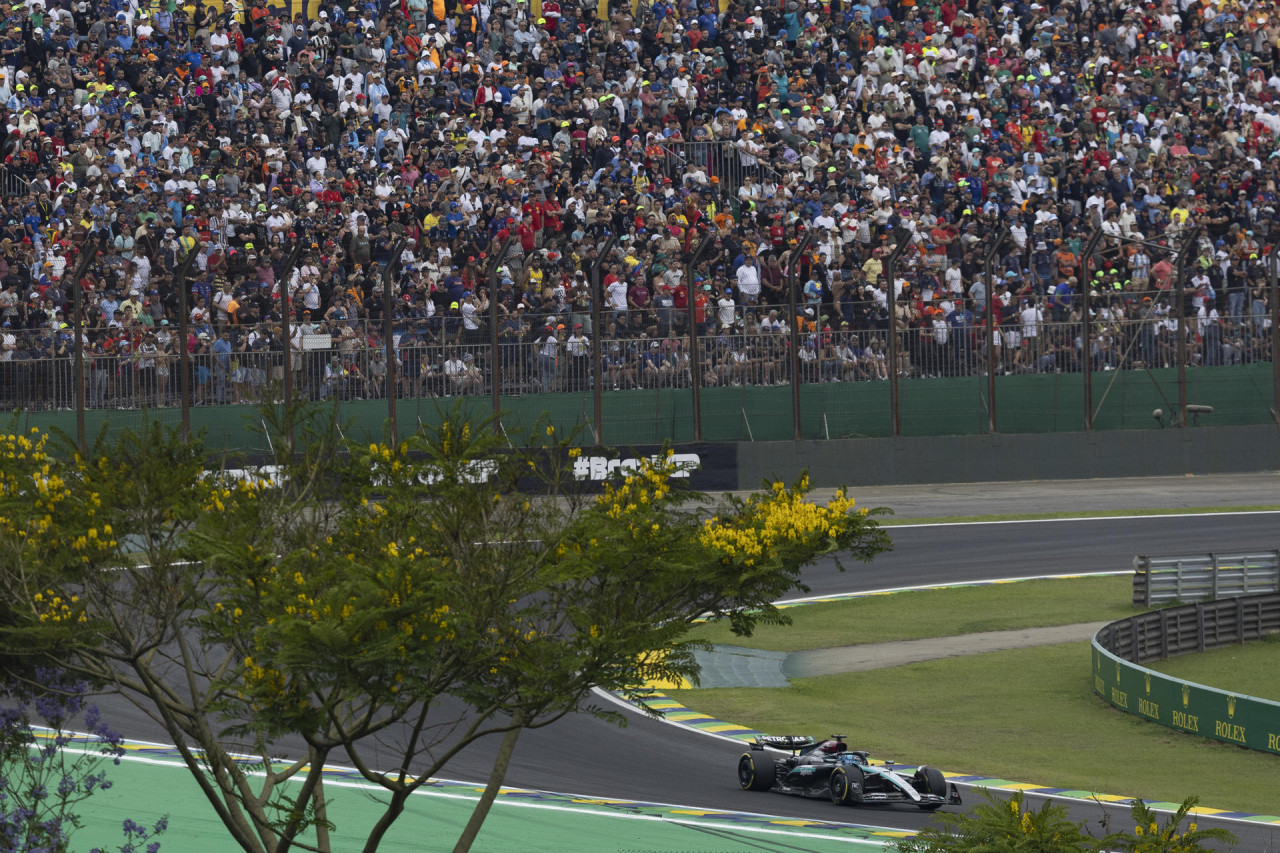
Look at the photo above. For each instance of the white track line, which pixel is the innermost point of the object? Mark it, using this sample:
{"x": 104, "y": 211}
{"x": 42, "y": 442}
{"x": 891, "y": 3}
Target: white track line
{"x": 834, "y": 596}
{"x": 1077, "y": 518}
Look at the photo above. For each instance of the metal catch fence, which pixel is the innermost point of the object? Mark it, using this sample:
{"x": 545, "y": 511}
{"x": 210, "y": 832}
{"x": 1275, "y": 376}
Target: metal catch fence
{"x": 1204, "y": 577}
{"x": 1193, "y": 628}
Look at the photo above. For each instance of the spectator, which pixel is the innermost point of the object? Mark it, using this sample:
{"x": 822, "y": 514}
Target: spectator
{"x": 804, "y": 141}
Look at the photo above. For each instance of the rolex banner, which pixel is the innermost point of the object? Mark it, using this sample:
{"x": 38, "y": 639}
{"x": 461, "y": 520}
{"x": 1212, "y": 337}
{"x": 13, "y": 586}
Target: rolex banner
{"x": 1192, "y": 708}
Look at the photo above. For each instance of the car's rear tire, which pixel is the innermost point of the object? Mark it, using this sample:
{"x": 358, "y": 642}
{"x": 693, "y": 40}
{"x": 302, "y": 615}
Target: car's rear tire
{"x": 753, "y": 776}
{"x": 929, "y": 780}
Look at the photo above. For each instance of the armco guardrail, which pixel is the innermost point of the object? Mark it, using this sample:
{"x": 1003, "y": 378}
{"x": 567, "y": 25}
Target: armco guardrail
{"x": 1120, "y": 648}
{"x": 1204, "y": 577}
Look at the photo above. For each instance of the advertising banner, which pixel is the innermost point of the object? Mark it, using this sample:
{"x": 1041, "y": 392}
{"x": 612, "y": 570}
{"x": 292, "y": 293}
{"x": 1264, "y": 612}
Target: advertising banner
{"x": 706, "y": 467}
{"x": 1193, "y": 708}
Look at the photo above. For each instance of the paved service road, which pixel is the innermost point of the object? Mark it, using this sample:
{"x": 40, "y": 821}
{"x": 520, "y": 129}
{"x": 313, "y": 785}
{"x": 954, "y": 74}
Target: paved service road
{"x": 654, "y": 761}
{"x": 867, "y": 656}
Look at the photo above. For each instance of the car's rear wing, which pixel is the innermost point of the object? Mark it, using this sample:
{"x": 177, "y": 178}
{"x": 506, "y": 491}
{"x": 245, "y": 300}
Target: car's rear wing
{"x": 787, "y": 743}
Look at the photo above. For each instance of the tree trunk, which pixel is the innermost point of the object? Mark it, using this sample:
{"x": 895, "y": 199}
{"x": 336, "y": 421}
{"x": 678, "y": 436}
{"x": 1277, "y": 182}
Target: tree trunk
{"x": 499, "y": 773}
{"x": 322, "y": 815}
{"x": 393, "y": 811}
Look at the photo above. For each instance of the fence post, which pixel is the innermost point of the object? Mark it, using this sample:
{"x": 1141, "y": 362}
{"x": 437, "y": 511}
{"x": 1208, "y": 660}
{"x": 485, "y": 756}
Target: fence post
{"x": 694, "y": 356}
{"x": 184, "y": 348}
{"x": 792, "y": 280}
{"x": 901, "y": 236}
{"x": 1275, "y": 334}
{"x": 988, "y": 259}
{"x": 286, "y": 315}
{"x": 1179, "y": 271}
{"x": 1086, "y": 360}
{"x": 495, "y": 362}
{"x": 88, "y": 249}
{"x": 597, "y": 345}
{"x": 388, "y": 332}
{"x": 1199, "y": 627}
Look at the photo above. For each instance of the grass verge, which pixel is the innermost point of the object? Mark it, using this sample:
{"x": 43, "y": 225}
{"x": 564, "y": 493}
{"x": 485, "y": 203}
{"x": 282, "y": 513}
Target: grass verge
{"x": 1101, "y": 513}
{"x": 938, "y": 613}
{"x": 1027, "y": 715}
{"x": 1241, "y": 669}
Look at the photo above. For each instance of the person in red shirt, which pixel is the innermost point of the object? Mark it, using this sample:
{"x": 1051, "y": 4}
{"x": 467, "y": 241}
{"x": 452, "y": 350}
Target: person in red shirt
{"x": 550, "y": 211}
{"x": 532, "y": 211}
{"x": 527, "y": 237}
{"x": 330, "y": 194}
{"x": 1038, "y": 137}
{"x": 551, "y": 11}
{"x": 700, "y": 306}
{"x": 680, "y": 301}
{"x": 1013, "y": 131}
{"x": 777, "y": 233}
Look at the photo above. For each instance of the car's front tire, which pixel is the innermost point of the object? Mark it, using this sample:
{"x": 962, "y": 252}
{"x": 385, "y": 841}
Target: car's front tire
{"x": 929, "y": 780}
{"x": 753, "y": 776}
{"x": 845, "y": 786}
{"x": 838, "y": 786}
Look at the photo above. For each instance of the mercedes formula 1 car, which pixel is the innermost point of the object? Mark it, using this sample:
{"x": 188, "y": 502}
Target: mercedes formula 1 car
{"x": 846, "y": 776}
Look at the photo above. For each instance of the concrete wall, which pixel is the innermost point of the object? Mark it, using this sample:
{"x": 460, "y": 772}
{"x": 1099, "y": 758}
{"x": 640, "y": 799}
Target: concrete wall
{"x": 982, "y": 458}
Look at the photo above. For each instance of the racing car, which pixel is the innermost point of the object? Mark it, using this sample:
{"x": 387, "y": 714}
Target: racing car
{"x": 846, "y": 776}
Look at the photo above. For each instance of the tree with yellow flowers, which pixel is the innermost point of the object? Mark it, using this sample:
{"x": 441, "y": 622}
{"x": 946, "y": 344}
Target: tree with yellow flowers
{"x": 49, "y": 529}
{"x": 362, "y": 595}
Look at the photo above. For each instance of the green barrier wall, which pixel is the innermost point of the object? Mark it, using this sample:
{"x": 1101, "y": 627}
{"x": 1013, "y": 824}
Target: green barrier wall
{"x": 1025, "y": 404}
{"x": 1186, "y": 706}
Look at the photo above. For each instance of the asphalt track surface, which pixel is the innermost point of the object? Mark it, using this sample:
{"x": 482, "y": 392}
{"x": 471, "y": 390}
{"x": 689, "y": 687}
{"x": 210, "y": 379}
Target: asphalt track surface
{"x": 654, "y": 761}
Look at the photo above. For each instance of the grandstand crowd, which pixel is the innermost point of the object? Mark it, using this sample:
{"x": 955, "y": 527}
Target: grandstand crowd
{"x": 807, "y": 139}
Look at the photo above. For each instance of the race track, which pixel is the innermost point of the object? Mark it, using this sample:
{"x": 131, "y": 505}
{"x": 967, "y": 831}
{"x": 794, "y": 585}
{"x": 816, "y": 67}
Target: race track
{"x": 652, "y": 760}
{"x": 657, "y": 762}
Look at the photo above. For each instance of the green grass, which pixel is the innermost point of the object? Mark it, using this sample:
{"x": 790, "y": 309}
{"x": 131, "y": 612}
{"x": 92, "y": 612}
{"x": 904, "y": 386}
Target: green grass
{"x": 1234, "y": 668}
{"x": 938, "y": 613}
{"x": 889, "y": 521}
{"x": 1027, "y": 715}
